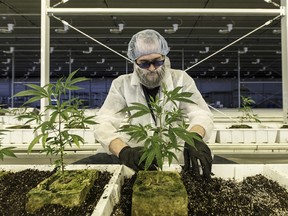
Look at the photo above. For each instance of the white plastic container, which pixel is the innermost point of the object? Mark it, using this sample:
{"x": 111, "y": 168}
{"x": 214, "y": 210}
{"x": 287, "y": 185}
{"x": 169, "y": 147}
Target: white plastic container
{"x": 107, "y": 200}
{"x": 282, "y": 136}
{"x": 18, "y": 136}
{"x": 111, "y": 195}
{"x": 226, "y": 171}
{"x": 87, "y": 134}
{"x": 246, "y": 136}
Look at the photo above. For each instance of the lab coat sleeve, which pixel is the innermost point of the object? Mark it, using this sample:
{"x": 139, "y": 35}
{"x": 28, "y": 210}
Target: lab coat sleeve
{"x": 198, "y": 113}
{"x": 109, "y": 118}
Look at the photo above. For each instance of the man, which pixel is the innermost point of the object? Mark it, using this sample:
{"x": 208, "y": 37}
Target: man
{"x": 148, "y": 49}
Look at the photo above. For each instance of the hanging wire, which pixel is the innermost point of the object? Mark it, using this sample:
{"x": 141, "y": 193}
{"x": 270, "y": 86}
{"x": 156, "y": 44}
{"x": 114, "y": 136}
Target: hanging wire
{"x": 236, "y": 121}
{"x": 265, "y": 24}
{"x": 114, "y": 51}
{"x": 61, "y": 2}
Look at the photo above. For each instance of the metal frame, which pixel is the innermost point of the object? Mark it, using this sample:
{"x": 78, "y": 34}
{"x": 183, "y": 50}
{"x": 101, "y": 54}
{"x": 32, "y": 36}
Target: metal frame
{"x": 46, "y": 11}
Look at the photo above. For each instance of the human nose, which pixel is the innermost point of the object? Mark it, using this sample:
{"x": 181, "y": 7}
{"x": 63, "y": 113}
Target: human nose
{"x": 151, "y": 67}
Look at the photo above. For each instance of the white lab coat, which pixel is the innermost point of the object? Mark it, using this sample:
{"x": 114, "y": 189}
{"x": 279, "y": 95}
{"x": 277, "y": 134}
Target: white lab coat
{"x": 126, "y": 89}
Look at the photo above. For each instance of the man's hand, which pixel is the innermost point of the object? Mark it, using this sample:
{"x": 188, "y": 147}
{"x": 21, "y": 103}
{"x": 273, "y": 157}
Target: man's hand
{"x": 131, "y": 157}
{"x": 201, "y": 153}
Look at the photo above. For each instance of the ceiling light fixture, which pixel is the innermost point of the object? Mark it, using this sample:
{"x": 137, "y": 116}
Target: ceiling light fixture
{"x": 32, "y": 69}
{"x": 226, "y": 61}
{"x": 58, "y": 69}
{"x": 117, "y": 30}
{"x": 195, "y": 61}
{"x": 101, "y": 62}
{"x": 37, "y": 62}
{"x": 204, "y": 73}
{"x": 247, "y": 73}
{"x": 89, "y": 50}
{"x": 257, "y": 61}
{"x": 6, "y": 69}
{"x": 7, "y": 61}
{"x": 262, "y": 69}
{"x": 94, "y": 74}
{"x": 70, "y": 62}
{"x": 245, "y": 50}
{"x": 62, "y": 31}
{"x": 109, "y": 69}
{"x": 10, "y": 51}
{"x": 9, "y": 29}
{"x": 83, "y": 69}
{"x": 172, "y": 30}
{"x": 204, "y": 51}
{"x": 211, "y": 69}
{"x": 276, "y": 31}
{"x": 227, "y": 30}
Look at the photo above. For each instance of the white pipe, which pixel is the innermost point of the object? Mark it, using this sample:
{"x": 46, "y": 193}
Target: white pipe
{"x": 165, "y": 11}
{"x": 45, "y": 51}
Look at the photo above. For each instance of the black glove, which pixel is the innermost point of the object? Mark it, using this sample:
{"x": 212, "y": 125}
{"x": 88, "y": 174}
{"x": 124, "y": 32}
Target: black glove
{"x": 131, "y": 157}
{"x": 201, "y": 153}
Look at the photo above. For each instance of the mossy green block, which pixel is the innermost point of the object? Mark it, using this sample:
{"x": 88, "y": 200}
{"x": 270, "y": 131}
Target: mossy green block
{"x": 67, "y": 189}
{"x": 158, "y": 193}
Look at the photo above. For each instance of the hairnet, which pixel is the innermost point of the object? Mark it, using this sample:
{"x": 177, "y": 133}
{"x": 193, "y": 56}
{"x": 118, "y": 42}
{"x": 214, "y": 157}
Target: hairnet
{"x": 147, "y": 42}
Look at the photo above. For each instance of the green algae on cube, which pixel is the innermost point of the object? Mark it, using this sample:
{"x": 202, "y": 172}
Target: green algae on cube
{"x": 66, "y": 189}
{"x": 159, "y": 193}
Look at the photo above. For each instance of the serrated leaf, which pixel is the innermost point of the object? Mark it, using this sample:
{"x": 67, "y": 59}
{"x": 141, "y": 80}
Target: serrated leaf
{"x": 8, "y": 151}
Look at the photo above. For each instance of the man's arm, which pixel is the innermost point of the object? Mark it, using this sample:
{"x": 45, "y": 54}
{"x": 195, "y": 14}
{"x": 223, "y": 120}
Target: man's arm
{"x": 116, "y": 146}
{"x": 198, "y": 129}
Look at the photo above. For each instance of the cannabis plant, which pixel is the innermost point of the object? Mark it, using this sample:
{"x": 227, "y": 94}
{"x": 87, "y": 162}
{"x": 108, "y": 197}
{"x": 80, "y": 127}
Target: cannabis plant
{"x": 53, "y": 134}
{"x": 8, "y": 151}
{"x": 160, "y": 140}
{"x": 246, "y": 109}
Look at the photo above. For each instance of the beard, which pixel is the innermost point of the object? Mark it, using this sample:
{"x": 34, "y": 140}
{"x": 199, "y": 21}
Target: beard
{"x": 151, "y": 79}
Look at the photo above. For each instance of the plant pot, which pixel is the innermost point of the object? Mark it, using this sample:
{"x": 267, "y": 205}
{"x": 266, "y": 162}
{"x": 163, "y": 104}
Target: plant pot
{"x": 18, "y": 136}
{"x": 246, "y": 136}
{"x": 212, "y": 138}
{"x": 87, "y": 134}
{"x": 282, "y": 136}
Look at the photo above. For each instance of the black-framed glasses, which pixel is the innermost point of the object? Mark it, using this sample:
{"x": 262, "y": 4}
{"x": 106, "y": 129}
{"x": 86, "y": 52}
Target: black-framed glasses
{"x": 146, "y": 64}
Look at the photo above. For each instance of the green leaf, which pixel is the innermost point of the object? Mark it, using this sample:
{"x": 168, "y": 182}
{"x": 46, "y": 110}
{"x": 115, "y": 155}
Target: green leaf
{"x": 8, "y": 151}
{"x": 33, "y": 143}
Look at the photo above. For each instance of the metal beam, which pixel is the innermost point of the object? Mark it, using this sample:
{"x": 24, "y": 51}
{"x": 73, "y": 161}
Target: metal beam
{"x": 45, "y": 50}
{"x": 165, "y": 11}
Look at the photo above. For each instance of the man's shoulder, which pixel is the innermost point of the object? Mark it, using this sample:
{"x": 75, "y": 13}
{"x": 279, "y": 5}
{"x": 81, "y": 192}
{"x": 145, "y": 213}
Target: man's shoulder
{"x": 123, "y": 78}
{"x": 178, "y": 73}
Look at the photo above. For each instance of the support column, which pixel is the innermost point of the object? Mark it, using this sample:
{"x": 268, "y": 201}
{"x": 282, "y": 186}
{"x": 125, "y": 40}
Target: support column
{"x": 13, "y": 79}
{"x": 45, "y": 50}
{"x": 284, "y": 49}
